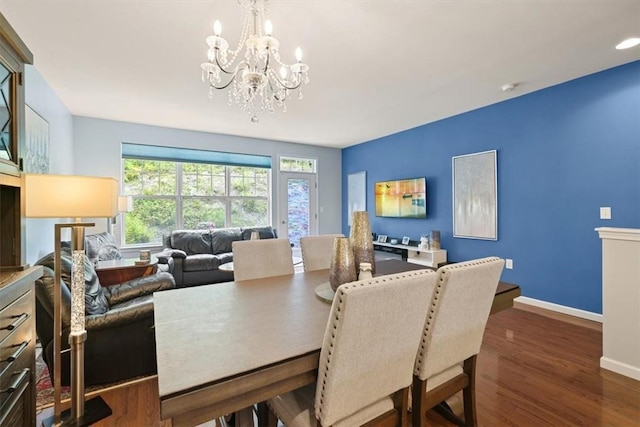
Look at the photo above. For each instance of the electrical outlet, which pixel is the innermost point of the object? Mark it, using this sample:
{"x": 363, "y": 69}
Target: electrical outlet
{"x": 508, "y": 264}
{"x": 605, "y": 213}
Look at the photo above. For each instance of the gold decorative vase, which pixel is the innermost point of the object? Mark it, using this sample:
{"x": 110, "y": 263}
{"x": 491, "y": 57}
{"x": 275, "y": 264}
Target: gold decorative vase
{"x": 361, "y": 240}
{"x": 434, "y": 240}
{"x": 343, "y": 265}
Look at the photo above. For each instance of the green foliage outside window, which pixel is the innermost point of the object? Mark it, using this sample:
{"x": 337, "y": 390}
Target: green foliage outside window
{"x": 149, "y": 177}
{"x": 203, "y": 180}
{"x": 249, "y": 212}
{"x": 203, "y": 213}
{"x": 292, "y": 164}
{"x": 248, "y": 182}
{"x": 171, "y": 195}
{"x": 150, "y": 220}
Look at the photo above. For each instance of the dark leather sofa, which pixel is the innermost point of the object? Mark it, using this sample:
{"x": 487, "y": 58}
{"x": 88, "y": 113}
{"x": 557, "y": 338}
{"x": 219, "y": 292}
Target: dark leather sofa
{"x": 119, "y": 322}
{"x": 103, "y": 247}
{"x": 196, "y": 255}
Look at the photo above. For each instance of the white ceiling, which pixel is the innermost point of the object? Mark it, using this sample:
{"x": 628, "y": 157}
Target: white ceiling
{"x": 377, "y": 67}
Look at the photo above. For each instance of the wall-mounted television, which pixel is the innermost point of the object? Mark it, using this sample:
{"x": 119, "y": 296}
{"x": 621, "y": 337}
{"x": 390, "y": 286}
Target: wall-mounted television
{"x": 402, "y": 198}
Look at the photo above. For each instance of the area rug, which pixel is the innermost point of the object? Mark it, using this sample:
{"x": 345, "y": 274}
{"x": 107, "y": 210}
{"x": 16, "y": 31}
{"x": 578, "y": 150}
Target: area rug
{"x": 44, "y": 387}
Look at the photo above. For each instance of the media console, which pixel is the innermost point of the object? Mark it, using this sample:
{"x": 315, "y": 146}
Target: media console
{"x": 426, "y": 257}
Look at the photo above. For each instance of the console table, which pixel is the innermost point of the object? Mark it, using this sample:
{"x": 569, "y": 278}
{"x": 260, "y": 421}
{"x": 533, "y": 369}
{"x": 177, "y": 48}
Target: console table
{"x": 413, "y": 254}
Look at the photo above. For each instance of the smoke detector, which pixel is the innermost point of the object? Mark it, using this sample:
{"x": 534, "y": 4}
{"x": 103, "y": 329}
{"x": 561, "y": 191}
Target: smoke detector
{"x": 509, "y": 87}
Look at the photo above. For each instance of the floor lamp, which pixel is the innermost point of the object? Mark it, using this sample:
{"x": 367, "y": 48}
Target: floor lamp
{"x": 125, "y": 204}
{"x": 70, "y": 196}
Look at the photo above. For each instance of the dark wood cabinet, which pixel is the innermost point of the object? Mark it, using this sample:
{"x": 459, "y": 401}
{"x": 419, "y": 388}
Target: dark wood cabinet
{"x": 17, "y": 295}
{"x": 17, "y": 347}
{"x": 13, "y": 56}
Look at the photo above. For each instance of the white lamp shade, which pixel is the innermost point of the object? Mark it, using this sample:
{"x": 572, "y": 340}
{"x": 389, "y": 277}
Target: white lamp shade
{"x": 69, "y": 196}
{"x": 125, "y": 204}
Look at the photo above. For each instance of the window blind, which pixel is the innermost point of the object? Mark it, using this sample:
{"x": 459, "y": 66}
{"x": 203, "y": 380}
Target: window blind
{"x": 189, "y": 155}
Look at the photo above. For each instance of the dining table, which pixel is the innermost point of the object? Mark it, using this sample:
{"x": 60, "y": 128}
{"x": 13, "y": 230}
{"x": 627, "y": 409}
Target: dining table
{"x": 226, "y": 346}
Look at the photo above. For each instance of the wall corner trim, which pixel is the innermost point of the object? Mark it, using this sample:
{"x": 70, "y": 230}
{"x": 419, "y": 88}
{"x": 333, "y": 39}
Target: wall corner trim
{"x": 583, "y": 314}
{"x": 620, "y": 368}
{"x": 619, "y": 233}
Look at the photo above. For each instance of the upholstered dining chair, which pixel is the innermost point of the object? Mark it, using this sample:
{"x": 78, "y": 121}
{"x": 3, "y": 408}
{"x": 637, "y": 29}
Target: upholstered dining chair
{"x": 255, "y": 259}
{"x": 317, "y": 251}
{"x": 367, "y": 356}
{"x": 452, "y": 336}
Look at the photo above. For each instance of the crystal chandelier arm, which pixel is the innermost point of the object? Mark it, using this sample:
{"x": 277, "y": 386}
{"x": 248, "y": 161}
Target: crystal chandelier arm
{"x": 275, "y": 93}
{"x": 284, "y": 85}
{"x": 219, "y": 65}
{"x": 233, "y": 77}
{"x": 301, "y": 70}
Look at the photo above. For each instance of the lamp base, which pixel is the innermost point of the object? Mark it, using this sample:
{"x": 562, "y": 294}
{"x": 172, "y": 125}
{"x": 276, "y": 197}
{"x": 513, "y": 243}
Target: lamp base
{"x": 94, "y": 410}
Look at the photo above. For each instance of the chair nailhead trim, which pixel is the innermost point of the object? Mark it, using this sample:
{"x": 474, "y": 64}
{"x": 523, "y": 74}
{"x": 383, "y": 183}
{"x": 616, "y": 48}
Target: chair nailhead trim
{"x": 340, "y": 294}
{"x": 444, "y": 273}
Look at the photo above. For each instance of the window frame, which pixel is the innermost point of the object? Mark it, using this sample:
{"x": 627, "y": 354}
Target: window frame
{"x": 311, "y": 160}
{"x": 179, "y": 197}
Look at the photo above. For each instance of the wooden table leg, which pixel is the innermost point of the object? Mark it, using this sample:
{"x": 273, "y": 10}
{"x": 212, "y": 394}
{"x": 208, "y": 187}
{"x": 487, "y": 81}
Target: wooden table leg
{"x": 244, "y": 417}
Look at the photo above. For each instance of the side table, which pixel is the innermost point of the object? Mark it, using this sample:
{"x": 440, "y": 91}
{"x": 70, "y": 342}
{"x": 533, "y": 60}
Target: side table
{"x": 122, "y": 270}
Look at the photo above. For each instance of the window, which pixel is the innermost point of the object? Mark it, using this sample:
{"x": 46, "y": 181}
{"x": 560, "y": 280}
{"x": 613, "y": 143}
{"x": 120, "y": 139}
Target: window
{"x": 153, "y": 185}
{"x": 295, "y": 164}
{"x": 170, "y": 195}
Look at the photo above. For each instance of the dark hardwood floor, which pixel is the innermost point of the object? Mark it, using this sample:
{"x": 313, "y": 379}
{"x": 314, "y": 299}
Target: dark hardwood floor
{"x": 538, "y": 371}
{"x": 533, "y": 371}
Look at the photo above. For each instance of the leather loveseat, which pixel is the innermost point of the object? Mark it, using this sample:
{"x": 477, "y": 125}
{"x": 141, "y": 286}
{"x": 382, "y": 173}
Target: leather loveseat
{"x": 197, "y": 254}
{"x": 118, "y": 319}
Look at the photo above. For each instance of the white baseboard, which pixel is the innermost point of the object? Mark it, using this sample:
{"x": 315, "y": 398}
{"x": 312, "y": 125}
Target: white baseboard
{"x": 588, "y": 315}
{"x": 620, "y": 368}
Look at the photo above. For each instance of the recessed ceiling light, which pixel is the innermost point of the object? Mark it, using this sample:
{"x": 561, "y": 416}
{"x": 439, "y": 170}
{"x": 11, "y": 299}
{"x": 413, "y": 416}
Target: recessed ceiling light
{"x": 633, "y": 41}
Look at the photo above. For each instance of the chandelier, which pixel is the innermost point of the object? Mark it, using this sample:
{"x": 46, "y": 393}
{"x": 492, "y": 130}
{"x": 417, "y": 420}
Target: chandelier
{"x": 248, "y": 71}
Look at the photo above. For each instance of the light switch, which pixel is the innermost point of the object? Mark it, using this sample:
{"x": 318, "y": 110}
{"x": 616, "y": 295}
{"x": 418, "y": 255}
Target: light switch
{"x": 508, "y": 264}
{"x": 605, "y": 213}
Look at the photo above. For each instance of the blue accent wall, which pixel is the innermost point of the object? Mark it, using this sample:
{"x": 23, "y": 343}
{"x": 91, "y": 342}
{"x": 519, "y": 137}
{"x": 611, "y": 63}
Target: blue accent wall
{"x": 563, "y": 152}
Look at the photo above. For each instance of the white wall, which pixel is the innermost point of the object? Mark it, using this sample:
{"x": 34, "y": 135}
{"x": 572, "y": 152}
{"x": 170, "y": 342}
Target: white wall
{"x": 97, "y": 151}
{"x": 87, "y": 146}
{"x": 620, "y": 300}
{"x": 41, "y": 98}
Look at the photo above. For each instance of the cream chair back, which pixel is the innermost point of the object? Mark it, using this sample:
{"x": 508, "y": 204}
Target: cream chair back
{"x": 458, "y": 315}
{"x": 317, "y": 251}
{"x": 370, "y": 345}
{"x": 255, "y": 259}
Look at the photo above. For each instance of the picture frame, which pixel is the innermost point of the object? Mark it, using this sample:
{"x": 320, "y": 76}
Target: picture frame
{"x": 356, "y": 193}
{"x": 405, "y": 240}
{"x": 382, "y": 238}
{"x": 475, "y": 195}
